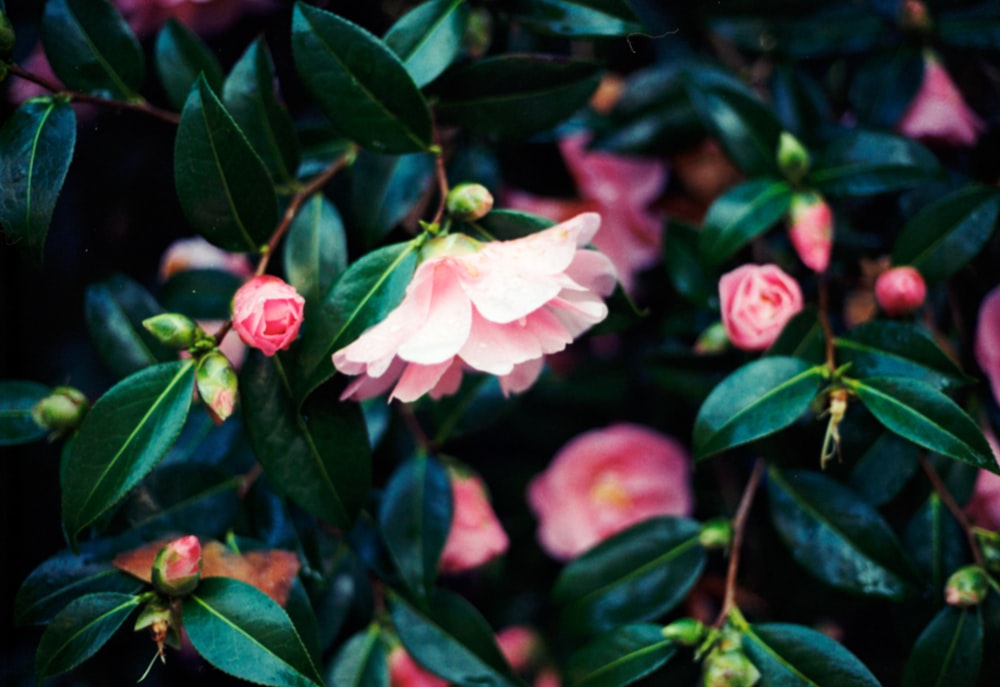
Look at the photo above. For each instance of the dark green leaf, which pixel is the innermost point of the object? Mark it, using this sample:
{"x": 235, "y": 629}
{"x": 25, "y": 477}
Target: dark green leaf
{"x": 91, "y": 48}
{"x": 885, "y": 85}
{"x": 429, "y": 37}
{"x": 315, "y": 248}
{"x": 837, "y": 536}
{"x": 799, "y": 100}
{"x": 793, "y": 656}
{"x": 833, "y": 30}
{"x": 320, "y": 457}
{"x": 180, "y": 57}
{"x": 17, "y": 398}
{"x": 578, "y": 18}
{"x": 80, "y": 630}
{"x": 949, "y": 652}
{"x": 36, "y": 147}
{"x": 122, "y": 438}
{"x": 741, "y": 214}
{"x": 884, "y": 468}
{"x": 386, "y": 188}
{"x": 360, "y": 662}
{"x": 756, "y": 400}
{"x": 224, "y": 189}
{"x": 801, "y": 337}
{"x": 506, "y": 225}
{"x": 945, "y": 235}
{"x": 359, "y": 83}
{"x": 619, "y": 657}
{"x": 976, "y": 26}
{"x": 684, "y": 265}
{"x": 512, "y": 96}
{"x": 927, "y": 417}
{"x": 863, "y": 163}
{"x": 243, "y": 632}
{"x": 201, "y": 294}
{"x": 935, "y": 541}
{"x": 638, "y": 574}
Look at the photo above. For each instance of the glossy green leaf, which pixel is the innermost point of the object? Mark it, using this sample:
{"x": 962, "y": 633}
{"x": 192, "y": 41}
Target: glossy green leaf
{"x": 361, "y": 661}
{"x": 512, "y": 96}
{"x": 80, "y": 630}
{"x": 243, "y": 632}
{"x": 975, "y": 26}
{"x": 949, "y": 652}
{"x": 360, "y": 84}
{"x": 837, "y": 536}
{"x": 450, "y": 638}
{"x": 741, "y": 214}
{"x": 505, "y": 225}
{"x": 181, "y": 56}
{"x": 795, "y": 656}
{"x": 320, "y": 457}
{"x": 863, "y": 163}
{"x": 429, "y": 37}
{"x": 249, "y": 96}
{"x": 415, "y": 517}
{"x": 91, "y": 48}
{"x": 201, "y": 294}
{"x": 799, "y": 100}
{"x": 801, "y": 337}
{"x": 619, "y": 657}
{"x": 944, "y": 236}
{"x": 386, "y": 188}
{"x": 125, "y": 434}
{"x": 17, "y": 398}
{"x": 224, "y": 189}
{"x": 315, "y": 249}
{"x": 927, "y": 417}
{"x": 935, "y": 542}
{"x": 36, "y": 147}
{"x": 578, "y": 18}
{"x": 885, "y": 84}
{"x": 636, "y": 575}
{"x": 684, "y": 264}
{"x": 754, "y": 401}
{"x": 885, "y": 467}
{"x": 826, "y": 31}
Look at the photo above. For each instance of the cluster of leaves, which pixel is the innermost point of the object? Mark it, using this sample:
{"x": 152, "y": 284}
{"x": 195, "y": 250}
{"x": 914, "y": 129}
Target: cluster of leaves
{"x": 367, "y": 505}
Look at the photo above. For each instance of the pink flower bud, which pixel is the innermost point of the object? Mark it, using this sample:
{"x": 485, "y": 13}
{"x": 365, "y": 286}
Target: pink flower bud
{"x": 476, "y": 536}
{"x": 404, "y": 672}
{"x": 469, "y": 202}
{"x": 217, "y": 383}
{"x": 757, "y": 301}
{"x": 177, "y": 566}
{"x": 267, "y": 313}
{"x": 900, "y": 291}
{"x": 966, "y": 586}
{"x": 521, "y": 646}
{"x": 810, "y": 227}
{"x": 938, "y": 112}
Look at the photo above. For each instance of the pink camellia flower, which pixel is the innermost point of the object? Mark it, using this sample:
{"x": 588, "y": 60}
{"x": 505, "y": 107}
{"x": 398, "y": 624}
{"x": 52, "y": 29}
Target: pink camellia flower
{"x": 938, "y": 113}
{"x": 496, "y": 307}
{"x": 520, "y": 645}
{"x": 177, "y": 566}
{"x": 900, "y": 290}
{"x": 757, "y": 301}
{"x": 476, "y": 535}
{"x": 267, "y": 313}
{"x": 604, "y": 481}
{"x": 202, "y": 16}
{"x": 987, "y": 345}
{"x": 810, "y": 228}
{"x": 620, "y": 189}
{"x": 983, "y": 507}
{"x": 196, "y": 253}
{"x": 404, "y": 672}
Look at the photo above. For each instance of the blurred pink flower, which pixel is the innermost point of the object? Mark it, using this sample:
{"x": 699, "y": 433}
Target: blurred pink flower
{"x": 900, "y": 290}
{"x": 476, "y": 535}
{"x": 195, "y": 253}
{"x": 810, "y": 228}
{"x": 496, "y": 307}
{"x": 521, "y": 646}
{"x": 757, "y": 301}
{"x": 984, "y": 506}
{"x": 620, "y": 189}
{"x": 404, "y": 672}
{"x": 938, "y": 112}
{"x": 547, "y": 677}
{"x": 604, "y": 481}
{"x": 267, "y": 313}
{"x": 987, "y": 344}
{"x": 202, "y": 16}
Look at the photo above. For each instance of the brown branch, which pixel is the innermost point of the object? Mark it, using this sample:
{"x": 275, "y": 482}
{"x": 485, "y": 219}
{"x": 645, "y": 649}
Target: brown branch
{"x": 824, "y": 323}
{"x": 739, "y": 532}
{"x": 952, "y": 505}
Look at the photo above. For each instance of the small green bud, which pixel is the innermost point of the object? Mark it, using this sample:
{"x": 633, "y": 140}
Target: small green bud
{"x": 713, "y": 340}
{"x": 6, "y": 37}
{"x": 62, "y": 410}
{"x": 729, "y": 669}
{"x": 967, "y": 586}
{"x": 716, "y": 534}
{"x": 469, "y": 202}
{"x": 686, "y": 632}
{"x": 793, "y": 158}
{"x": 177, "y": 567}
{"x": 217, "y": 384}
{"x": 172, "y": 329}
{"x": 989, "y": 544}
{"x": 478, "y": 32}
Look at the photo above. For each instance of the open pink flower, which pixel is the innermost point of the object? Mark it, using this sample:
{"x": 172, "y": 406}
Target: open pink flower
{"x": 476, "y": 535}
{"x": 496, "y": 307}
{"x": 604, "y": 481}
{"x": 984, "y": 506}
{"x": 757, "y": 301}
{"x": 938, "y": 112}
{"x": 620, "y": 189}
{"x": 267, "y": 313}
{"x": 810, "y": 228}
{"x": 404, "y": 672}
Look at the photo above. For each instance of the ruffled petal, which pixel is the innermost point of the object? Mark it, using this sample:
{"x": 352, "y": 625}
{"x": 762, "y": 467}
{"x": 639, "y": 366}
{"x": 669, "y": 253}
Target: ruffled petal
{"x": 417, "y": 380}
{"x": 445, "y": 327}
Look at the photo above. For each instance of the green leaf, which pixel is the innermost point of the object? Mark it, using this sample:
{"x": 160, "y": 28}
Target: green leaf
{"x": 945, "y": 235}
{"x": 249, "y": 96}
{"x": 359, "y": 83}
{"x": 882, "y": 471}
{"x": 320, "y": 457}
{"x": 578, "y": 18}
{"x": 925, "y": 416}
{"x": 863, "y": 163}
{"x": 885, "y": 84}
{"x": 976, "y": 26}
{"x": 741, "y": 214}
{"x": 684, "y": 264}
{"x": 180, "y": 57}
{"x": 315, "y": 249}
{"x": 360, "y": 662}
{"x": 91, "y": 48}
{"x": 638, "y": 574}
{"x": 935, "y": 541}
{"x": 756, "y": 400}
{"x": 223, "y": 187}
{"x": 17, "y": 398}
{"x": 386, "y": 188}
{"x": 619, "y": 657}
{"x": 506, "y": 225}
{"x": 36, "y": 147}
{"x": 823, "y": 31}
{"x": 243, "y": 632}
{"x": 201, "y": 294}
{"x": 122, "y": 438}
{"x": 949, "y": 652}
{"x": 451, "y": 639}
{"x": 415, "y": 517}
{"x": 837, "y": 536}
{"x": 801, "y": 337}
{"x": 80, "y": 630}
{"x": 429, "y": 37}
{"x": 792, "y": 655}
{"x": 513, "y": 96}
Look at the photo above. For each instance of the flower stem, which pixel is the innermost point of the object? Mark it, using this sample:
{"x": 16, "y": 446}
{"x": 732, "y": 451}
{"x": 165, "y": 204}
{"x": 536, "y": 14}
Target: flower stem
{"x": 952, "y": 505}
{"x": 739, "y": 531}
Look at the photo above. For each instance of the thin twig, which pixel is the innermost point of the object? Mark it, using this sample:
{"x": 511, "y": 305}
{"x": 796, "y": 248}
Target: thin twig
{"x": 952, "y": 505}
{"x": 739, "y": 531}
{"x": 824, "y": 323}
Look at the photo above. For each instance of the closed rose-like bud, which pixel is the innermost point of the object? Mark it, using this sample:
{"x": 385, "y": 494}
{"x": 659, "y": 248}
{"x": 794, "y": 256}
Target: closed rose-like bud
{"x": 716, "y": 534}
{"x": 686, "y": 632}
{"x": 900, "y": 291}
{"x": 177, "y": 567}
{"x": 756, "y": 302}
{"x": 967, "y": 586}
{"x": 469, "y": 202}
{"x": 217, "y": 384}
{"x": 810, "y": 228}
{"x": 793, "y": 158}
{"x": 172, "y": 329}
{"x": 729, "y": 669}
{"x": 62, "y": 410}
{"x": 267, "y": 313}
